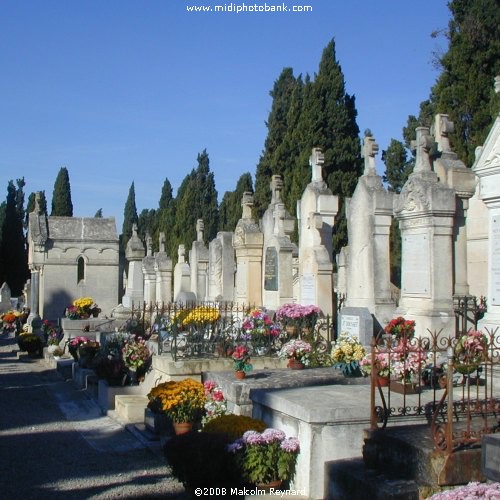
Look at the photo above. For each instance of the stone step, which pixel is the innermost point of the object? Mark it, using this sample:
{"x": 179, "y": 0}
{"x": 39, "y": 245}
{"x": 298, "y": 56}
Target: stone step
{"x": 349, "y": 479}
{"x": 130, "y": 409}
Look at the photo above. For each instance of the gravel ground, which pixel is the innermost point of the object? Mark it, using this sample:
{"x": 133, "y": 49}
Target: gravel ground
{"x": 55, "y": 443}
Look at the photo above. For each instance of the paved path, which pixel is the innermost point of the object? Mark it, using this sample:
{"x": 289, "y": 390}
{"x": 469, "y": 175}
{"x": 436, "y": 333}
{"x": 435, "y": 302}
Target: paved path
{"x": 55, "y": 443}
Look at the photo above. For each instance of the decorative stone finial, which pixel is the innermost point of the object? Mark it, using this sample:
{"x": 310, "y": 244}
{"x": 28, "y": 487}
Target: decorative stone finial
{"x": 182, "y": 253}
{"x": 368, "y": 151}
{"x": 423, "y": 145}
{"x": 316, "y": 162}
{"x": 200, "y": 228}
{"x": 247, "y": 204}
{"x": 149, "y": 245}
{"x": 276, "y": 188}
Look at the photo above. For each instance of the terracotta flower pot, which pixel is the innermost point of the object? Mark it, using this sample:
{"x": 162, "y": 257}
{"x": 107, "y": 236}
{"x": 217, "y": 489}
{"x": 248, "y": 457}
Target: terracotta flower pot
{"x": 295, "y": 364}
{"x": 182, "y": 427}
{"x": 240, "y": 374}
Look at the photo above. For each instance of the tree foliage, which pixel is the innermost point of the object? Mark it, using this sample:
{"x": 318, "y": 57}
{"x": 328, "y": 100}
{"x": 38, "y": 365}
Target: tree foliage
{"x": 129, "y": 217}
{"x": 13, "y": 252}
{"x": 230, "y": 207}
{"x": 464, "y": 89}
{"x": 305, "y": 114}
{"x": 62, "y": 205}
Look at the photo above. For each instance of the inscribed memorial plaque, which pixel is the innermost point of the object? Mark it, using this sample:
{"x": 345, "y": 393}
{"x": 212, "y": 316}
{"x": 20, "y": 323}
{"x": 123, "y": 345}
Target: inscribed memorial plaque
{"x": 350, "y": 324}
{"x": 271, "y": 270}
{"x": 308, "y": 289}
{"x": 416, "y": 263}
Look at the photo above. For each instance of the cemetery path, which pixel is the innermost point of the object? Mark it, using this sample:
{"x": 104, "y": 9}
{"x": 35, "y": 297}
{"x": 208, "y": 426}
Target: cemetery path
{"x": 55, "y": 443}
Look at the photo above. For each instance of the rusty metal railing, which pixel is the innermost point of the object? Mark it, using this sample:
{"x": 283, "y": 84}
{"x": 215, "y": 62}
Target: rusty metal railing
{"x": 456, "y": 390}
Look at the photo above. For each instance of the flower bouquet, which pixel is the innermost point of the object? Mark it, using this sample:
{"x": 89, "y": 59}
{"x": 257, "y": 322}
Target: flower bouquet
{"x": 197, "y": 316}
{"x": 87, "y": 352}
{"x": 401, "y": 328}
{"x": 347, "y": 352}
{"x": 136, "y": 353}
{"x": 296, "y": 350}
{"x": 215, "y": 404}
{"x": 297, "y": 315}
{"x": 182, "y": 401}
{"x": 259, "y": 328}
{"x": 241, "y": 359}
{"x": 266, "y": 457}
{"x": 74, "y": 344}
{"x": 470, "y": 351}
{"x": 382, "y": 364}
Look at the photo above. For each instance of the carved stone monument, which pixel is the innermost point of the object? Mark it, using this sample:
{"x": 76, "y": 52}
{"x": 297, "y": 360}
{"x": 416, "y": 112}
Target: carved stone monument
{"x": 198, "y": 259}
{"x": 163, "y": 269}
{"x": 221, "y": 266}
{"x": 425, "y": 210}
{"x": 182, "y": 278}
{"x": 134, "y": 253}
{"x": 316, "y": 211}
{"x": 148, "y": 270}
{"x": 487, "y": 168}
{"x": 369, "y": 217}
{"x": 248, "y": 243}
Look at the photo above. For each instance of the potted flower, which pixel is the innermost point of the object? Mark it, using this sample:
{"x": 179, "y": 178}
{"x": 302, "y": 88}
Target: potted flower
{"x": 401, "y": 328}
{"x": 30, "y": 343}
{"x": 381, "y": 366}
{"x": 241, "y": 361}
{"x": 182, "y": 401}
{"x": 347, "y": 352}
{"x": 259, "y": 329}
{"x": 87, "y": 352}
{"x": 296, "y": 317}
{"x": 408, "y": 362}
{"x": 469, "y": 352}
{"x": 136, "y": 356}
{"x": 266, "y": 459}
{"x": 10, "y": 320}
{"x": 297, "y": 352}
{"x": 200, "y": 315}
{"x": 74, "y": 343}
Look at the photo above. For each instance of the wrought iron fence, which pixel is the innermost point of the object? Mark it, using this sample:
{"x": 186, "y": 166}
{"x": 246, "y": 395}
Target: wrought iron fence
{"x": 453, "y": 383}
{"x": 212, "y": 330}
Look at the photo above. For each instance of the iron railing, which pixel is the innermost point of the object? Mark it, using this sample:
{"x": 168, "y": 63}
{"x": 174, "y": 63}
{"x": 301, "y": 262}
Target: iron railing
{"x": 217, "y": 338}
{"x": 456, "y": 393}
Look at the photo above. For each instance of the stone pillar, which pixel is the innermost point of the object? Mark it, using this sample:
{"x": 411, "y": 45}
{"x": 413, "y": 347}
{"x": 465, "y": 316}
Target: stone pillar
{"x": 425, "y": 210}
{"x": 316, "y": 210}
{"x": 454, "y": 174}
{"x": 182, "y": 278}
{"x": 134, "y": 253}
{"x": 148, "y": 269}
{"x": 163, "y": 269}
{"x": 487, "y": 168}
{"x": 198, "y": 260}
{"x": 369, "y": 217}
{"x": 248, "y": 244}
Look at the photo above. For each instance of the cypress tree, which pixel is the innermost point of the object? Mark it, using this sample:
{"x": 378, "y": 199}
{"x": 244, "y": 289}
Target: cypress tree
{"x": 98, "y": 214}
{"x": 165, "y": 217}
{"x": 277, "y": 129}
{"x": 13, "y": 248}
{"x": 465, "y": 88}
{"x": 230, "y": 208}
{"x": 129, "y": 217}
{"x": 61, "y": 196}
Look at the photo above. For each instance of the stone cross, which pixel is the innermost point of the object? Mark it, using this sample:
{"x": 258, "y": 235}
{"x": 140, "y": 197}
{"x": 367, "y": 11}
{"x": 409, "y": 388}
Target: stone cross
{"x": 279, "y": 217}
{"x": 276, "y": 188}
{"x": 368, "y": 152}
{"x": 149, "y": 245}
{"x": 247, "y": 204}
{"x": 162, "y": 242}
{"x": 316, "y": 162}
{"x": 200, "y": 227}
{"x": 182, "y": 254}
{"x": 443, "y": 127}
{"x": 422, "y": 146}
{"x": 37, "y": 209}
